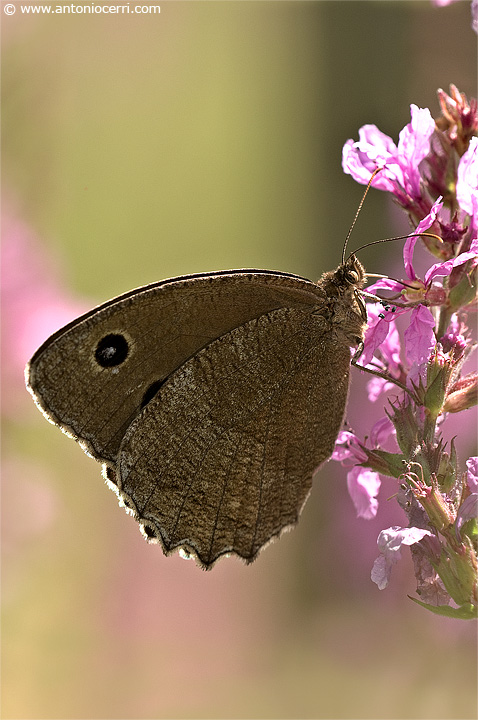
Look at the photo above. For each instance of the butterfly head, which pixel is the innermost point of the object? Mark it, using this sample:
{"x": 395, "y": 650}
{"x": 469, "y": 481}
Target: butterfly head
{"x": 350, "y": 274}
{"x": 342, "y": 290}
{"x": 346, "y": 280}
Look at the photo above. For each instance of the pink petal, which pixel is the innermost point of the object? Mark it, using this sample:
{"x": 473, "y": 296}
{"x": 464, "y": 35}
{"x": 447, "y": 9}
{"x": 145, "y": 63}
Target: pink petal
{"x": 419, "y": 336}
{"x": 391, "y": 540}
{"x": 381, "y": 571}
{"x": 411, "y": 241}
{"x": 385, "y": 284}
{"x": 379, "y": 145}
{"x": 414, "y": 146}
{"x": 381, "y": 333}
{"x": 374, "y": 149}
{"x": 472, "y": 475}
{"x": 376, "y": 387}
{"x": 438, "y": 269}
{"x": 429, "y": 219}
{"x": 389, "y": 543}
{"x": 390, "y": 348}
{"x": 467, "y": 180}
{"x": 374, "y": 337}
{"x": 445, "y": 268}
{"x": 381, "y": 431}
{"x": 363, "y": 486}
{"x": 353, "y": 164}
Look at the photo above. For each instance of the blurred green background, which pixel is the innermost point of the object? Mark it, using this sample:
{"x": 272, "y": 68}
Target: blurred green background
{"x": 137, "y": 147}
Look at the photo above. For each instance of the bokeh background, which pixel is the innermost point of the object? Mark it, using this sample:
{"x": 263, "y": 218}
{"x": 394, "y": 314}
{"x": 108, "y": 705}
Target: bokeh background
{"x": 138, "y": 147}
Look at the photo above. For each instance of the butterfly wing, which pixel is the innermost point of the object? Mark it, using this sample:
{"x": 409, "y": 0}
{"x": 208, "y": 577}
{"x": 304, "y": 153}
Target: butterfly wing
{"x": 93, "y": 377}
{"x": 222, "y": 459}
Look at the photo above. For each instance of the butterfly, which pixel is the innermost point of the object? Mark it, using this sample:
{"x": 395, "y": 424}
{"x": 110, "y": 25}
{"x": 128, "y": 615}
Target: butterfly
{"x": 211, "y": 400}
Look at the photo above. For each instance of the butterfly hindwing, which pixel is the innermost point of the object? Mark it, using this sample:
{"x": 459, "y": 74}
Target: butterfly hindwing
{"x": 222, "y": 459}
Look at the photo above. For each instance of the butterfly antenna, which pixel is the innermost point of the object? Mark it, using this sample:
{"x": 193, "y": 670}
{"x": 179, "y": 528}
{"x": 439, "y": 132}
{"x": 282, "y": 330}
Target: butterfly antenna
{"x": 375, "y": 172}
{"x": 392, "y": 239}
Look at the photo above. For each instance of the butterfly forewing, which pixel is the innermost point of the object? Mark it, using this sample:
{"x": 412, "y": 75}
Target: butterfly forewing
{"x": 75, "y": 377}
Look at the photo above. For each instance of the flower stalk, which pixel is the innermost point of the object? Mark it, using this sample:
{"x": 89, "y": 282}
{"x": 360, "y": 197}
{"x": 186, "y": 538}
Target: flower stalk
{"x": 433, "y": 175}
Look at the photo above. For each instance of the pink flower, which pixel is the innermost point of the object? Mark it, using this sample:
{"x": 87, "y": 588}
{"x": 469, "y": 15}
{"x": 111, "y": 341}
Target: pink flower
{"x": 389, "y": 543}
{"x": 426, "y": 287}
{"x": 348, "y": 448}
{"x": 363, "y": 484}
{"x": 382, "y": 341}
{"x": 374, "y": 149}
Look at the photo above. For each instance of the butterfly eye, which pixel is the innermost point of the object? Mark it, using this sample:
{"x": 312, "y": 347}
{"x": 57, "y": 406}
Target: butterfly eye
{"x": 112, "y": 350}
{"x": 352, "y": 276}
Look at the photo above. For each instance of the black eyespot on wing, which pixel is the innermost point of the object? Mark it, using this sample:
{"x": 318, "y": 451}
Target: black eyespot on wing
{"x": 127, "y": 502}
{"x": 148, "y": 532}
{"x": 110, "y": 475}
{"x": 111, "y": 350}
{"x": 151, "y": 392}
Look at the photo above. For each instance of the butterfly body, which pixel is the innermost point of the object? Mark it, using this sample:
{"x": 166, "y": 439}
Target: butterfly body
{"x": 211, "y": 399}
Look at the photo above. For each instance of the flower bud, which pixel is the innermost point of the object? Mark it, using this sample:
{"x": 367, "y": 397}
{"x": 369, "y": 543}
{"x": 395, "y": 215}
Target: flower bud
{"x": 459, "y": 117}
{"x": 447, "y": 470}
{"x": 439, "y": 371}
{"x": 462, "y": 395}
{"x": 404, "y": 419}
{"x": 440, "y": 513}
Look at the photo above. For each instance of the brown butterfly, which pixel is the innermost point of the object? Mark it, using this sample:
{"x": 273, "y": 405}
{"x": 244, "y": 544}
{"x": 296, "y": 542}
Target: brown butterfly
{"x": 211, "y": 400}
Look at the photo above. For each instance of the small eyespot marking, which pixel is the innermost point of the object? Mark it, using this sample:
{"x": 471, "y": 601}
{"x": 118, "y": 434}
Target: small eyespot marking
{"x": 110, "y": 475}
{"x": 111, "y": 350}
